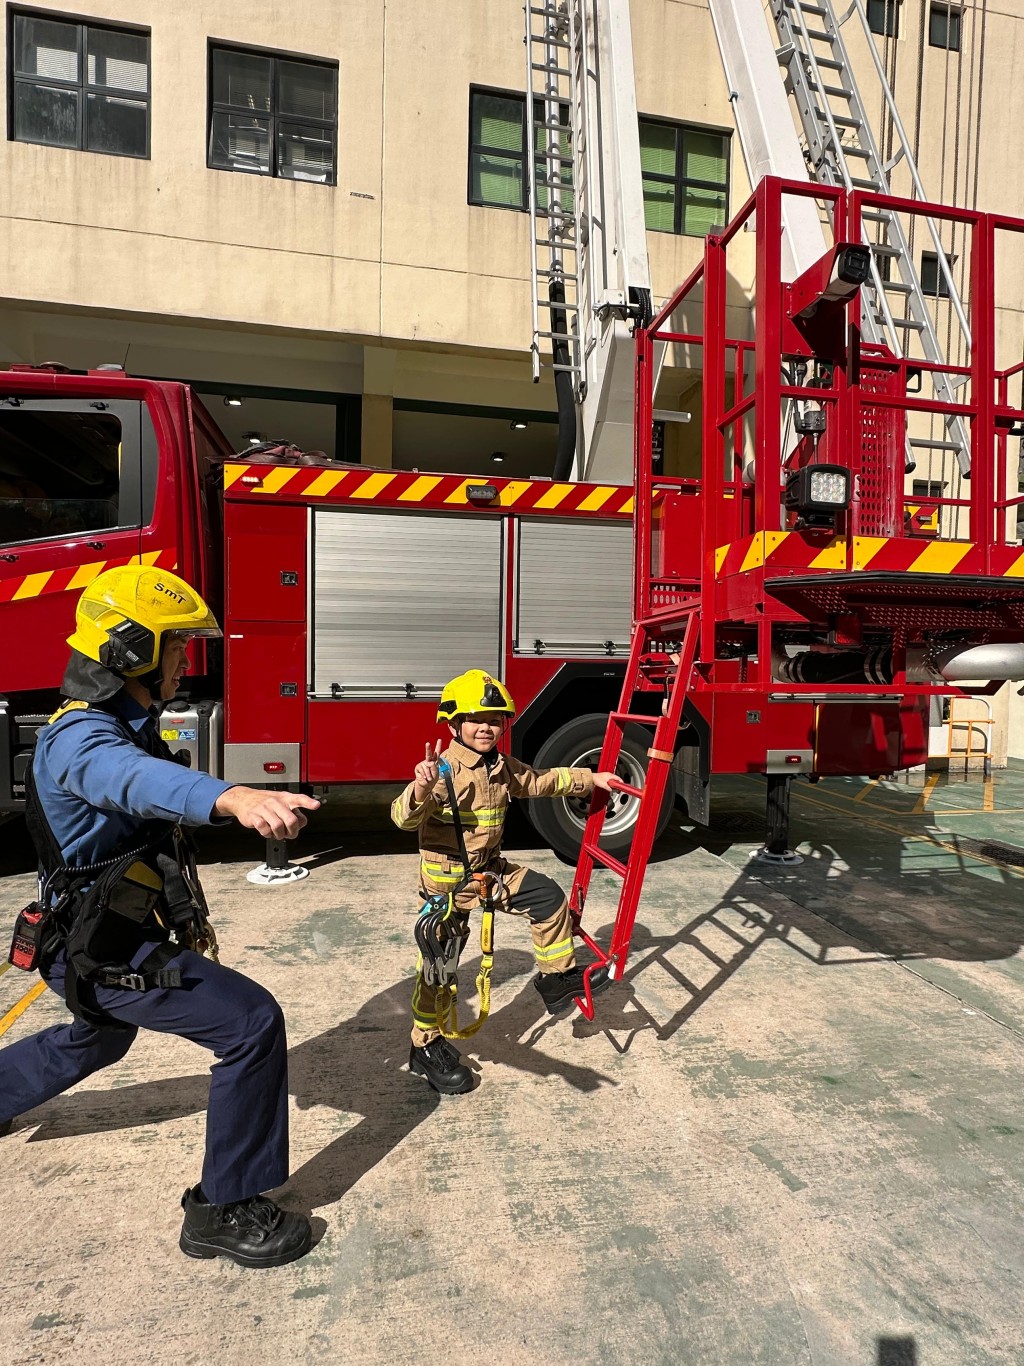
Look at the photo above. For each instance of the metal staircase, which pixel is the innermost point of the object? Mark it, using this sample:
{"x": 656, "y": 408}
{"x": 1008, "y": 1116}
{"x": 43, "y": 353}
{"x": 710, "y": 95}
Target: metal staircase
{"x": 842, "y": 151}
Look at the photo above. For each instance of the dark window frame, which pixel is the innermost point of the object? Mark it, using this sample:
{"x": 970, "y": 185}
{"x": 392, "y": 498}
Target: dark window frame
{"x": 523, "y": 154}
{"x": 276, "y": 56}
{"x": 930, "y": 262}
{"x": 952, "y": 17}
{"x": 82, "y": 86}
{"x": 888, "y": 25}
{"x": 680, "y": 181}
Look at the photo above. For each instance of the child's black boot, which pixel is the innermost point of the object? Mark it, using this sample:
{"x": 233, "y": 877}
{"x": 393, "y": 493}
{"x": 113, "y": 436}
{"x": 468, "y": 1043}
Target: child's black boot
{"x": 559, "y": 989}
{"x": 440, "y": 1063}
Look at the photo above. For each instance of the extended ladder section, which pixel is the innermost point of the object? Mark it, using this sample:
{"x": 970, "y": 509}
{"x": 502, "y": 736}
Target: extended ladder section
{"x": 589, "y": 271}
{"x": 842, "y": 151}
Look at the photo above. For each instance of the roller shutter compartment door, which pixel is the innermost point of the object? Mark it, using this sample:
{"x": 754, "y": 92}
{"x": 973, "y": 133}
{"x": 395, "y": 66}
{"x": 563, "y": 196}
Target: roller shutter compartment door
{"x": 403, "y": 599}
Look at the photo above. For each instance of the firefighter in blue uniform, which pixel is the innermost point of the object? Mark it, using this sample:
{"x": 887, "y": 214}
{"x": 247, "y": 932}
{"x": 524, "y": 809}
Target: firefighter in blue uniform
{"x": 121, "y": 921}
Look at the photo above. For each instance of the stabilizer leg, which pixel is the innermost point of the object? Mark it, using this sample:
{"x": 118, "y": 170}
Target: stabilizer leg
{"x": 776, "y": 850}
{"x": 276, "y": 868}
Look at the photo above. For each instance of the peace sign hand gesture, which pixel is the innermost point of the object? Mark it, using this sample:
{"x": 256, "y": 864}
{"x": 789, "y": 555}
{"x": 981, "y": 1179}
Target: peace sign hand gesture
{"x": 425, "y": 775}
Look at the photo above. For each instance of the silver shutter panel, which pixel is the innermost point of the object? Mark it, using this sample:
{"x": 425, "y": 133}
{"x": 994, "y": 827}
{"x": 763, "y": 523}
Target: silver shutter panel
{"x": 402, "y": 598}
{"x": 575, "y": 586}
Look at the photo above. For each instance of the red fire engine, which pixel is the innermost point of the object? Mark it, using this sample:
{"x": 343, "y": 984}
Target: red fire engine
{"x": 348, "y": 595}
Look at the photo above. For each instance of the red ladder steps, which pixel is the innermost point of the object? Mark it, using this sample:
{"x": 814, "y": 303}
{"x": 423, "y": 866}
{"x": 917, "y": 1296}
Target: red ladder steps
{"x": 660, "y": 757}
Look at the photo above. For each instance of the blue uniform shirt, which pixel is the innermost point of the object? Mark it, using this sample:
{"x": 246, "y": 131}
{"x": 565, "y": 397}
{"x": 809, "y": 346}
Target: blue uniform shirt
{"x": 97, "y": 786}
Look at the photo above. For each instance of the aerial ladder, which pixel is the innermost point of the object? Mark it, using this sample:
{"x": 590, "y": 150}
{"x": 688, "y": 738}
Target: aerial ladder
{"x": 705, "y": 596}
{"x": 841, "y": 149}
{"x": 590, "y": 275}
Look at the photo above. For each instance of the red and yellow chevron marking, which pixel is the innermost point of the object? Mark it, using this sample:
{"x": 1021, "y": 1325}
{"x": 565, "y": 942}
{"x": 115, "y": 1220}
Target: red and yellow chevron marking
{"x": 790, "y": 550}
{"x": 409, "y": 489}
{"x": 74, "y": 578}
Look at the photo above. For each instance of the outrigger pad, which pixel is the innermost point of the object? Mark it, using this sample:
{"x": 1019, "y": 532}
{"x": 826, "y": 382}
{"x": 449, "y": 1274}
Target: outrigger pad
{"x": 789, "y": 859}
{"x": 265, "y": 876}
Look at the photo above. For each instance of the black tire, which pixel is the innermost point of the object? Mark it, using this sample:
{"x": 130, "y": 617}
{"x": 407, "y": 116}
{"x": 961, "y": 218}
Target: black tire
{"x": 560, "y": 820}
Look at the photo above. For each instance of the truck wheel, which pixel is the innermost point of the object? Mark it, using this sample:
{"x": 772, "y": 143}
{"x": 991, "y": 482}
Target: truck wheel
{"x": 561, "y": 820}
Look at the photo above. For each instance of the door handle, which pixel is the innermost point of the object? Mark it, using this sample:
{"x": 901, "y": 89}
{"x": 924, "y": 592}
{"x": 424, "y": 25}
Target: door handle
{"x": 8, "y": 559}
{"x": 96, "y": 545}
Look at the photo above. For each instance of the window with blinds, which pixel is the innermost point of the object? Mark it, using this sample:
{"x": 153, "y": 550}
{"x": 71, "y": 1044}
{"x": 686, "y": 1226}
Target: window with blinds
{"x": 80, "y": 86}
{"x": 272, "y": 115}
{"x": 685, "y": 177}
{"x": 498, "y": 153}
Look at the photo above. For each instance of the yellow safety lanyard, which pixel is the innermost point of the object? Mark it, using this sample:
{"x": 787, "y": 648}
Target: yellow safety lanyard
{"x": 447, "y": 993}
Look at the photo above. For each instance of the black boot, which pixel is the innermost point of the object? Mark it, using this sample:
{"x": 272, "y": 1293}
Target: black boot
{"x": 253, "y": 1232}
{"x": 440, "y": 1063}
{"x": 559, "y": 989}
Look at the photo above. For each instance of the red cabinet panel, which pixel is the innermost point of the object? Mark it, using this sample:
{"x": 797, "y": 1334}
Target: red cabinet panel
{"x": 266, "y": 563}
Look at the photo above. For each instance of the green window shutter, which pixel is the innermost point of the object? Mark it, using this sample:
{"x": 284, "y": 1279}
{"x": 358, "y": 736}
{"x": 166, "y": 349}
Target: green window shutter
{"x": 498, "y": 123}
{"x": 497, "y": 161}
{"x": 657, "y": 148}
{"x": 705, "y": 157}
{"x": 659, "y": 205}
{"x": 498, "y": 180}
{"x": 703, "y": 211}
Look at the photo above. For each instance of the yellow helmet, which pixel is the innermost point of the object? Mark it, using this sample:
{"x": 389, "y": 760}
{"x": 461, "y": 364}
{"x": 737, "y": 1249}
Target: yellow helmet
{"x": 472, "y": 692}
{"x": 124, "y": 614}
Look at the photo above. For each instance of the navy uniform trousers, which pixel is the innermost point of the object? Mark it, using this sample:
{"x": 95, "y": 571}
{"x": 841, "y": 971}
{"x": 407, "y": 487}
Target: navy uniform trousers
{"x": 219, "y": 1009}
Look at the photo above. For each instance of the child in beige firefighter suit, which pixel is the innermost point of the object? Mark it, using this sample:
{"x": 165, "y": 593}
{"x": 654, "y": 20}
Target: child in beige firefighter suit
{"x": 477, "y": 708}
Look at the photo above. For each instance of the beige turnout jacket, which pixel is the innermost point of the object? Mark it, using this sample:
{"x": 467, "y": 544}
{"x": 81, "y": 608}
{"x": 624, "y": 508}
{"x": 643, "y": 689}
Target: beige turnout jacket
{"x": 483, "y": 797}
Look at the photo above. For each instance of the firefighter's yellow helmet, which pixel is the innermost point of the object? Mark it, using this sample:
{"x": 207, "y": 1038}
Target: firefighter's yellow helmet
{"x": 122, "y": 617}
{"x": 472, "y": 693}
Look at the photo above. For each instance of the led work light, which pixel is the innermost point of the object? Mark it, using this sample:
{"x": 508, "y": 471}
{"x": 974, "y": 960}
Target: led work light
{"x": 817, "y": 492}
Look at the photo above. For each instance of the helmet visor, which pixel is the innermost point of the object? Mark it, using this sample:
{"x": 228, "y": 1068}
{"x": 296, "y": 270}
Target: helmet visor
{"x": 196, "y": 633}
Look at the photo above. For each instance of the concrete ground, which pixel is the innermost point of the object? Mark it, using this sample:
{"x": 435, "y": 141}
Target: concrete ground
{"x": 794, "y": 1135}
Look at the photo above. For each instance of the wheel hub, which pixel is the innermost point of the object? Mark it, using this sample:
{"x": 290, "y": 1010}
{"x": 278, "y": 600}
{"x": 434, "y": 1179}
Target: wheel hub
{"x": 622, "y": 807}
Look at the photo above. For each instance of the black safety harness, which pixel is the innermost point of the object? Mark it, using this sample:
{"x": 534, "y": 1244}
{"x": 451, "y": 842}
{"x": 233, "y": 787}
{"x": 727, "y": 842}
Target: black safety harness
{"x": 147, "y": 888}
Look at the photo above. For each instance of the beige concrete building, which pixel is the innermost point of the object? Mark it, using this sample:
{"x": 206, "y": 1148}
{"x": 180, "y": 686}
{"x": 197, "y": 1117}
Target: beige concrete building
{"x": 318, "y": 211}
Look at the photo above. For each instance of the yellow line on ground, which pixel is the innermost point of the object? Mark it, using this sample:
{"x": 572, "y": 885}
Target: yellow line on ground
{"x": 18, "y": 1009}
{"x": 911, "y": 835}
{"x": 865, "y": 790}
{"x": 930, "y": 784}
{"x": 989, "y": 798}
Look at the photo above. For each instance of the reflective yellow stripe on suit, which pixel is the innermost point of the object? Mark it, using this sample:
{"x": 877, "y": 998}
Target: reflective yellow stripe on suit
{"x": 560, "y": 950}
{"x": 486, "y": 818}
{"x": 438, "y": 873}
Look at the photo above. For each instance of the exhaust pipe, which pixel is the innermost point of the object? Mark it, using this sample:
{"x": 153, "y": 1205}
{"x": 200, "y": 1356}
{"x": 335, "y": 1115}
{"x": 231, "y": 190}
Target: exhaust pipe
{"x": 981, "y": 663}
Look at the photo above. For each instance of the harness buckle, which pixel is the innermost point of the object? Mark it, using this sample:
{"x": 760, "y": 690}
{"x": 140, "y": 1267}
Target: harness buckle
{"x": 132, "y": 981}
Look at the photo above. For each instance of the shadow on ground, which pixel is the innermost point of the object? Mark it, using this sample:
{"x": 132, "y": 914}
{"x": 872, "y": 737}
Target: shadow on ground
{"x": 356, "y": 1068}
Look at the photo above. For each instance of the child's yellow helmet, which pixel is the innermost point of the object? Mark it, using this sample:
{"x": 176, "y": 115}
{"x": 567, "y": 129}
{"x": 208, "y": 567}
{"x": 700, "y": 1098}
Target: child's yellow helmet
{"x": 473, "y": 692}
{"x": 124, "y": 614}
